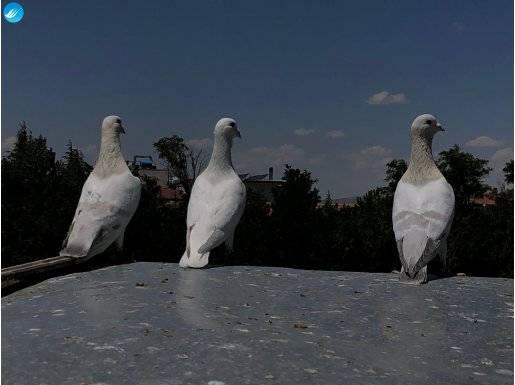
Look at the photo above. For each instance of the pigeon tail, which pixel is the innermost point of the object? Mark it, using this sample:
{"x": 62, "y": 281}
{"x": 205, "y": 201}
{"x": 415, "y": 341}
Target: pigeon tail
{"x": 79, "y": 244}
{"x": 197, "y": 251}
{"x": 88, "y": 238}
{"x": 419, "y": 278}
{"x": 416, "y": 256}
{"x": 195, "y": 260}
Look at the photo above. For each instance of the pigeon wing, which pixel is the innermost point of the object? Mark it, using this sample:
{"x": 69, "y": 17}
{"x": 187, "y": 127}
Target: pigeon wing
{"x": 422, "y": 216}
{"x": 216, "y": 209}
{"x": 427, "y": 207}
{"x": 104, "y": 210}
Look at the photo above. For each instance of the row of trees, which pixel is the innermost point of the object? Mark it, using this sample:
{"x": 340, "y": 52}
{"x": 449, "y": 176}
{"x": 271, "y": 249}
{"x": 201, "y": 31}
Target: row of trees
{"x": 298, "y": 229}
{"x": 39, "y": 196}
{"x": 301, "y": 233}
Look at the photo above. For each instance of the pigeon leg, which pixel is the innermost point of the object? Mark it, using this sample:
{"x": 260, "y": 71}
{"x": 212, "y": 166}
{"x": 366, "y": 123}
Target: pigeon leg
{"x": 419, "y": 278}
{"x": 229, "y": 243}
{"x": 443, "y": 255}
{"x": 119, "y": 242}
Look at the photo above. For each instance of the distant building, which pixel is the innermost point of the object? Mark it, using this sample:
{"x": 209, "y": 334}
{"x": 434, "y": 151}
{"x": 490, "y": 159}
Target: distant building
{"x": 263, "y": 184}
{"x": 485, "y": 200}
{"x": 141, "y": 162}
{"x": 345, "y": 202}
{"x": 146, "y": 167}
{"x": 340, "y": 202}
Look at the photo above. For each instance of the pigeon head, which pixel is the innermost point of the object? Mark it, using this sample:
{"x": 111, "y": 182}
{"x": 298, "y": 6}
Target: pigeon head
{"x": 425, "y": 126}
{"x": 112, "y": 125}
{"x": 227, "y": 128}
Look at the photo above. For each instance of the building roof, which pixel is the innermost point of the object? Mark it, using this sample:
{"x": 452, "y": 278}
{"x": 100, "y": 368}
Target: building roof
{"x": 485, "y": 200}
{"x": 160, "y": 175}
{"x": 347, "y": 201}
{"x": 258, "y": 177}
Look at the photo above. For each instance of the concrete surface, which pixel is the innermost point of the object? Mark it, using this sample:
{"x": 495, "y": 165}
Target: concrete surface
{"x": 153, "y": 323}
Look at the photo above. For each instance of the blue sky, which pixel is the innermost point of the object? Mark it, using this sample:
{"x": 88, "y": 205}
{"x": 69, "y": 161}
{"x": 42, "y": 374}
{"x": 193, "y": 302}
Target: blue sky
{"x": 327, "y": 86}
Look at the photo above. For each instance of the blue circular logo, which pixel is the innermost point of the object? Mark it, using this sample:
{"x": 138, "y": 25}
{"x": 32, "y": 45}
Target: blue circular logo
{"x": 13, "y": 12}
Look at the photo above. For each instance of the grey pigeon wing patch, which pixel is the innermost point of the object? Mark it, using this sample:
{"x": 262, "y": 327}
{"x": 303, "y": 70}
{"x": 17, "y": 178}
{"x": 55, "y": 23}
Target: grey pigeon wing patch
{"x": 216, "y": 238}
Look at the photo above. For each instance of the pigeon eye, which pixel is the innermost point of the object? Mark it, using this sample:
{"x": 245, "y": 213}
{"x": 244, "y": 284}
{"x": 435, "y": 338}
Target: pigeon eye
{"x": 429, "y": 122}
{"x": 231, "y": 124}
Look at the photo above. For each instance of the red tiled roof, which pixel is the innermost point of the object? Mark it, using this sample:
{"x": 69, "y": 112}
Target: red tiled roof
{"x": 171, "y": 193}
{"x": 485, "y": 200}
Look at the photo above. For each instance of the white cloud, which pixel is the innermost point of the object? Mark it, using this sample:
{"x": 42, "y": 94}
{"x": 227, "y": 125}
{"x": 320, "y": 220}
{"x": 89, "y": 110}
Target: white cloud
{"x": 458, "y": 26}
{"x": 316, "y": 160}
{"x": 8, "y": 144}
{"x": 483, "y": 141}
{"x": 384, "y": 97}
{"x": 90, "y": 152}
{"x": 335, "y": 134}
{"x": 497, "y": 162}
{"x": 260, "y": 158}
{"x": 376, "y": 151}
{"x": 370, "y": 157}
{"x": 304, "y": 131}
{"x": 286, "y": 153}
{"x": 90, "y": 149}
{"x": 199, "y": 144}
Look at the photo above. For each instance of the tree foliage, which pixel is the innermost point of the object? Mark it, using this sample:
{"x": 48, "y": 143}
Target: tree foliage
{"x": 39, "y": 196}
{"x": 293, "y": 211}
{"x": 297, "y": 229}
{"x": 157, "y": 231}
{"x": 183, "y": 162}
{"x": 395, "y": 169}
{"x": 508, "y": 172}
{"x": 465, "y": 173}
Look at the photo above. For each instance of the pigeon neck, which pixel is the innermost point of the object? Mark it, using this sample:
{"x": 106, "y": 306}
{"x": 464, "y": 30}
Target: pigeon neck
{"x": 110, "y": 159}
{"x": 221, "y": 158}
{"x": 422, "y": 166}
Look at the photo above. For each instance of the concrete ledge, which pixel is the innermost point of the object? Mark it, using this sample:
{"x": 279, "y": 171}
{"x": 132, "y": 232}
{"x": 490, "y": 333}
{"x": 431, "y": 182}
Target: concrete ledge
{"x": 153, "y": 323}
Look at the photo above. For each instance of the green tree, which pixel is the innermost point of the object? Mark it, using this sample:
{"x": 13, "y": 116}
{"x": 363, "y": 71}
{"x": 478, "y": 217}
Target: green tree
{"x": 481, "y": 238}
{"x": 157, "y": 232}
{"x": 30, "y": 176}
{"x": 371, "y": 240}
{"x": 72, "y": 172}
{"x": 183, "y": 162}
{"x": 508, "y": 172}
{"x": 330, "y": 230}
{"x": 74, "y": 169}
{"x": 465, "y": 173}
{"x": 253, "y": 234}
{"x": 293, "y": 213}
{"x": 395, "y": 169}
{"x": 39, "y": 198}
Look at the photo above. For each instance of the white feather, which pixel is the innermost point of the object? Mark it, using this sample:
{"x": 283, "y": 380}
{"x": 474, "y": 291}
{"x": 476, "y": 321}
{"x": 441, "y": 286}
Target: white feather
{"x": 426, "y": 207}
{"x": 109, "y": 199}
{"x": 422, "y": 216}
{"x": 104, "y": 211}
{"x": 423, "y": 206}
{"x": 216, "y": 203}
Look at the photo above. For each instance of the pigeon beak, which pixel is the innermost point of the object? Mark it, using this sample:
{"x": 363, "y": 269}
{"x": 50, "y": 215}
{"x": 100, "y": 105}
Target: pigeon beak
{"x": 122, "y": 130}
{"x": 439, "y": 126}
{"x": 238, "y": 133}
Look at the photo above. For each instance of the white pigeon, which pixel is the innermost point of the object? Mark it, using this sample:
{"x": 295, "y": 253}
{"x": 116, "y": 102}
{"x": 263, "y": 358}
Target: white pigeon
{"x": 423, "y": 206}
{"x": 217, "y": 201}
{"x": 109, "y": 198}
